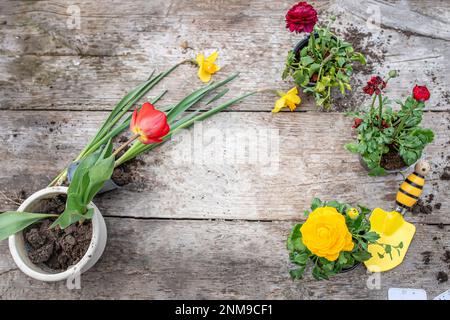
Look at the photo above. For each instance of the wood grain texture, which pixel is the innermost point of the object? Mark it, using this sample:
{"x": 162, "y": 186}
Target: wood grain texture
{"x": 212, "y": 171}
{"x": 156, "y": 259}
{"x": 46, "y": 65}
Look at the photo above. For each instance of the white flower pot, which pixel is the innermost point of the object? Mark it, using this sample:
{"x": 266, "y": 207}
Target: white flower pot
{"x": 94, "y": 252}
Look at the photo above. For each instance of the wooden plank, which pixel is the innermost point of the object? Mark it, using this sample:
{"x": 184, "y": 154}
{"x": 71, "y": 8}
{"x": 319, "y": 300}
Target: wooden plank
{"x": 48, "y": 66}
{"x": 214, "y": 173}
{"x": 153, "y": 259}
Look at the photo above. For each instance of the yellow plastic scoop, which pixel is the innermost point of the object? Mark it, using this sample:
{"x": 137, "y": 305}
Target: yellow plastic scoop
{"x": 391, "y": 226}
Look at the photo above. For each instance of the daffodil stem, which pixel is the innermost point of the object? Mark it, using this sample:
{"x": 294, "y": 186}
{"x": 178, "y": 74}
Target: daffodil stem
{"x": 123, "y": 146}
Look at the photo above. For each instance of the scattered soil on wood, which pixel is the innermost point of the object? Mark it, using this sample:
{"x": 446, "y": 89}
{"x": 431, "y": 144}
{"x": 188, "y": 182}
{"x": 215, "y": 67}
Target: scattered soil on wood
{"x": 442, "y": 277}
{"x": 392, "y": 160}
{"x": 52, "y": 247}
{"x": 364, "y": 43}
{"x": 421, "y": 208}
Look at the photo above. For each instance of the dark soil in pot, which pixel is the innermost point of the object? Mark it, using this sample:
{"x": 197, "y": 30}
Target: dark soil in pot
{"x": 52, "y": 247}
{"x": 392, "y": 160}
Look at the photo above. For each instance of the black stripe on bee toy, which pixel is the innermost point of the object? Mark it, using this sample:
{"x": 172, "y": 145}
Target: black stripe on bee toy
{"x": 408, "y": 194}
{"x": 402, "y": 205}
{"x": 414, "y": 184}
{"x": 419, "y": 175}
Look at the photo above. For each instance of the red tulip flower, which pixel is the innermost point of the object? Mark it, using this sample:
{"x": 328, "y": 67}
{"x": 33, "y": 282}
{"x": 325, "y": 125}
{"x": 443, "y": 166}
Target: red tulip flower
{"x": 421, "y": 93}
{"x": 150, "y": 124}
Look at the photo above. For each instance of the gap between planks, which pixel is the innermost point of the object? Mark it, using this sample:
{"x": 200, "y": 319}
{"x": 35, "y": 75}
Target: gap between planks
{"x": 237, "y": 220}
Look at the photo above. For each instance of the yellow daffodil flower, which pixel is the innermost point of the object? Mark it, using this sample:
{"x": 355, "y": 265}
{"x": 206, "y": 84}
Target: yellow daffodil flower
{"x": 289, "y": 99}
{"x": 207, "y": 67}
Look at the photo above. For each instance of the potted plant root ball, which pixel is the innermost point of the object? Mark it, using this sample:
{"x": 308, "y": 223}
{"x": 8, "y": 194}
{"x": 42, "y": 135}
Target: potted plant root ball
{"x": 321, "y": 61}
{"x": 333, "y": 239}
{"x": 58, "y": 233}
{"x": 390, "y": 141}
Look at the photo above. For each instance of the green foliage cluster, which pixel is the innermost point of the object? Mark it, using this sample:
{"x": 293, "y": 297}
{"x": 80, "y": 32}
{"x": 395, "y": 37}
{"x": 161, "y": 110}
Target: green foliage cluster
{"x": 322, "y": 267}
{"x": 326, "y": 59}
{"x": 383, "y": 129}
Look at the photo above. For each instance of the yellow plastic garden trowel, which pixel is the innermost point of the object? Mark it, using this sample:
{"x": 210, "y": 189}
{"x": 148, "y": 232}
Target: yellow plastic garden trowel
{"x": 391, "y": 226}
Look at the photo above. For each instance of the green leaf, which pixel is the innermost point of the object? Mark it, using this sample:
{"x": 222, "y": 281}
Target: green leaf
{"x": 316, "y": 203}
{"x": 371, "y": 236}
{"x": 361, "y": 256}
{"x": 352, "y": 147}
{"x": 318, "y": 274}
{"x": 88, "y": 179}
{"x": 297, "y": 273}
{"x": 294, "y": 242}
{"x": 378, "y": 171}
{"x": 306, "y": 61}
{"x": 12, "y": 222}
{"x": 300, "y": 258}
{"x": 342, "y": 259}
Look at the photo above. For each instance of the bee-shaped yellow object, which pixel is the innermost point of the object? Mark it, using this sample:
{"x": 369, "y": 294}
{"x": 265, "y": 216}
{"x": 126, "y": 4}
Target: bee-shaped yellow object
{"x": 411, "y": 189}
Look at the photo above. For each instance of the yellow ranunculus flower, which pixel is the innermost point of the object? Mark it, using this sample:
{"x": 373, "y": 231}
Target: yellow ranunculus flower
{"x": 325, "y": 233}
{"x": 290, "y": 99}
{"x": 353, "y": 213}
{"x": 207, "y": 67}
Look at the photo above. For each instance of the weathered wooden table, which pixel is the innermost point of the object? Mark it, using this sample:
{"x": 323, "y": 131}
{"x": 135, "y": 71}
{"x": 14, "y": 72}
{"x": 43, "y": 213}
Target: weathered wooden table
{"x": 193, "y": 229}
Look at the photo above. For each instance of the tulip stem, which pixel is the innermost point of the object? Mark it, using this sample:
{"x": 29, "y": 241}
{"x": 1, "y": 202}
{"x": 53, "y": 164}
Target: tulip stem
{"x": 123, "y": 146}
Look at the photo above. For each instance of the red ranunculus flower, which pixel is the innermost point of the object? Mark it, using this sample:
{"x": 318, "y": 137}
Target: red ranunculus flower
{"x": 358, "y": 122}
{"x": 149, "y": 123}
{"x": 301, "y": 18}
{"x": 374, "y": 85}
{"x": 421, "y": 93}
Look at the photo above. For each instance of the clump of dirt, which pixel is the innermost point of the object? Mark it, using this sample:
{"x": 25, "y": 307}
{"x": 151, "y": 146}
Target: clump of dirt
{"x": 128, "y": 172}
{"x": 446, "y": 256}
{"x": 426, "y": 257}
{"x": 392, "y": 160}
{"x": 442, "y": 277}
{"x": 446, "y": 174}
{"x": 52, "y": 247}
{"x": 421, "y": 208}
{"x": 438, "y": 206}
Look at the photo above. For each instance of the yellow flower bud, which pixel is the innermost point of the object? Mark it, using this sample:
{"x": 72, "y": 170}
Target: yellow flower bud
{"x": 353, "y": 213}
